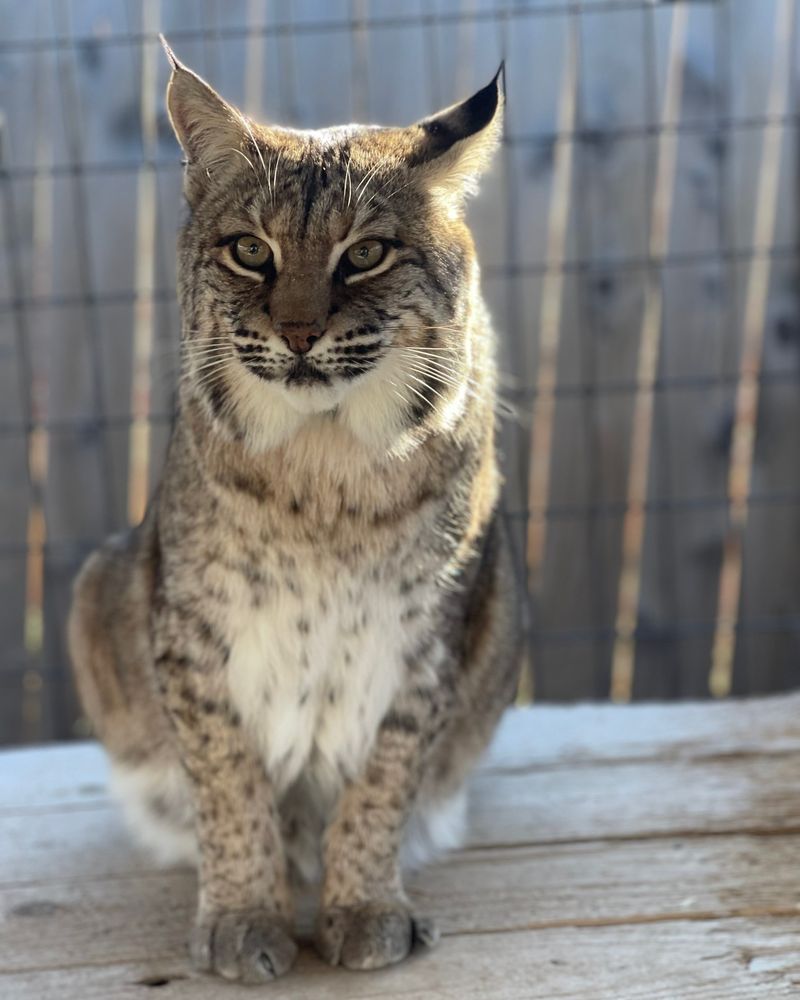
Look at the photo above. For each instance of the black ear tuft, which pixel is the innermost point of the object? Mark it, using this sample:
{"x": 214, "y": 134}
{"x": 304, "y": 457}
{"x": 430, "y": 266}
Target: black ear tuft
{"x": 173, "y": 59}
{"x": 462, "y": 120}
{"x": 500, "y": 77}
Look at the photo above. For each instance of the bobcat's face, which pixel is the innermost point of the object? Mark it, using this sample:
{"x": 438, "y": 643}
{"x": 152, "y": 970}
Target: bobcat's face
{"x": 328, "y": 271}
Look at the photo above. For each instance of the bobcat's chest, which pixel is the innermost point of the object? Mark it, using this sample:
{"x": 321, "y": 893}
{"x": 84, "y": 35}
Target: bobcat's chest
{"x": 313, "y": 671}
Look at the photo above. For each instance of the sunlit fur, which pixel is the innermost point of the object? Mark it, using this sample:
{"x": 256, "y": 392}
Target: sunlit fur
{"x": 297, "y": 657}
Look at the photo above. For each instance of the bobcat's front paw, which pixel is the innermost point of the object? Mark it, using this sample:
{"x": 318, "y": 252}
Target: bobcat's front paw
{"x": 251, "y": 946}
{"x": 371, "y": 935}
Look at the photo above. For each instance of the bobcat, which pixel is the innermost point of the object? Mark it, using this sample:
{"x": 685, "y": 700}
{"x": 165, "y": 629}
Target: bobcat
{"x": 298, "y": 655}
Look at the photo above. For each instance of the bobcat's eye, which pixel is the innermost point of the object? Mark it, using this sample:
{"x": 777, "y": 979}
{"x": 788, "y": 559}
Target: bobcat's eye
{"x": 250, "y": 251}
{"x": 365, "y": 254}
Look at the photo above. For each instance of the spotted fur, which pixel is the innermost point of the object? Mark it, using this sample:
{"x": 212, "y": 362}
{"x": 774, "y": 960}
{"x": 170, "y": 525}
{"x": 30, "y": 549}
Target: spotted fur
{"x": 296, "y": 658}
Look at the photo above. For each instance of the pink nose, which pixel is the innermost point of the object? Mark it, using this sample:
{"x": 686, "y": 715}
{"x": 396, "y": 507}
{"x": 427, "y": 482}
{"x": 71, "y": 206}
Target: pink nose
{"x": 299, "y": 337}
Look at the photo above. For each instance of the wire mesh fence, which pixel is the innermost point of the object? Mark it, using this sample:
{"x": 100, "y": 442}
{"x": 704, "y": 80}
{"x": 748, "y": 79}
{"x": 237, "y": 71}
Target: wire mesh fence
{"x": 638, "y": 239}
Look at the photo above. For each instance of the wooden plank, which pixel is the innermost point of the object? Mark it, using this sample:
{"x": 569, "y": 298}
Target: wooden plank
{"x": 757, "y": 795}
{"x": 604, "y": 733}
{"x": 639, "y": 915}
{"x": 52, "y": 777}
{"x": 736, "y": 959}
{"x": 114, "y": 920}
{"x": 76, "y": 774}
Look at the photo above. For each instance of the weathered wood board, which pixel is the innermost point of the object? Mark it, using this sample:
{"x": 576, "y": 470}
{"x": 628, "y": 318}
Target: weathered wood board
{"x": 616, "y": 854}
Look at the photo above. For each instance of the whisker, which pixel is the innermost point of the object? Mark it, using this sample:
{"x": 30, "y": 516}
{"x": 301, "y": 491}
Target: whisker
{"x": 205, "y": 371}
{"x": 179, "y": 345}
{"x": 470, "y": 390}
{"x": 203, "y": 363}
{"x": 257, "y": 148}
{"x": 396, "y": 389}
{"x": 475, "y": 390}
{"x": 363, "y": 184}
{"x": 348, "y": 185}
{"x": 396, "y": 191}
{"x": 447, "y": 379}
{"x": 431, "y": 365}
{"x": 427, "y": 385}
{"x": 438, "y": 367}
{"x": 416, "y": 392}
{"x": 248, "y": 161}
{"x": 275, "y": 178}
{"x": 210, "y": 356}
{"x": 193, "y": 352}
{"x": 423, "y": 350}
{"x": 459, "y": 330}
{"x": 203, "y": 382}
{"x": 438, "y": 376}
{"x": 435, "y": 365}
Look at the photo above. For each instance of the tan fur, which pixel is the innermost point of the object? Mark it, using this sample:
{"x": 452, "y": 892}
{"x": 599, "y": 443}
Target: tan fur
{"x": 297, "y": 657}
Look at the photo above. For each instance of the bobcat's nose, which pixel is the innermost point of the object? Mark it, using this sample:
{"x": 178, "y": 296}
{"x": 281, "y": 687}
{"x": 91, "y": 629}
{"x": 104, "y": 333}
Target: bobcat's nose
{"x": 299, "y": 337}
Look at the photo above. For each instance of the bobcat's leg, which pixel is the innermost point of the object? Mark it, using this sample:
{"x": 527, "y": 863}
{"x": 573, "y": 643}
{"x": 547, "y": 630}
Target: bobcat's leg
{"x": 192, "y": 788}
{"x": 415, "y": 775}
{"x": 244, "y": 914}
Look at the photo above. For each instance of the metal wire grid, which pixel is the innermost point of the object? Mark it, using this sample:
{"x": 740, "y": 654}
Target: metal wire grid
{"x": 42, "y": 670}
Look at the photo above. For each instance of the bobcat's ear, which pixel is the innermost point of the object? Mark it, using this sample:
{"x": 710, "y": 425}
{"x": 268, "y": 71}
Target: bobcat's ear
{"x": 452, "y": 148}
{"x": 213, "y": 134}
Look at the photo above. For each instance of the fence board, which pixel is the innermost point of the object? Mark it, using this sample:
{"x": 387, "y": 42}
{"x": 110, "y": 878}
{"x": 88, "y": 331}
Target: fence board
{"x": 350, "y": 65}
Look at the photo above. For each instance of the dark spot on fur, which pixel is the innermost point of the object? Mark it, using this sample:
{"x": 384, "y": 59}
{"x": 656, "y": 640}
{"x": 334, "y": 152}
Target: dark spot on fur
{"x": 250, "y": 485}
{"x": 402, "y": 721}
{"x": 375, "y": 775}
{"x": 218, "y": 397}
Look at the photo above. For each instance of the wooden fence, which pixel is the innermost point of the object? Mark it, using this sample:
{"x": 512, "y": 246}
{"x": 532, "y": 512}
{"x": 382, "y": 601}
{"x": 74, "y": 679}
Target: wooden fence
{"x": 639, "y": 245}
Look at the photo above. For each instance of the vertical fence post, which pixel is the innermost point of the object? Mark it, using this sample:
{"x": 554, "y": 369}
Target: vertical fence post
{"x": 633, "y": 526}
{"x": 144, "y": 313}
{"x": 550, "y": 315}
{"x": 254, "y": 60}
{"x": 743, "y": 439}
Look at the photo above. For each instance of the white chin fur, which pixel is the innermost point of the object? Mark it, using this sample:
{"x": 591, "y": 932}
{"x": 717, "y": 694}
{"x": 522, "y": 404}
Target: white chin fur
{"x": 370, "y": 407}
{"x": 312, "y": 399}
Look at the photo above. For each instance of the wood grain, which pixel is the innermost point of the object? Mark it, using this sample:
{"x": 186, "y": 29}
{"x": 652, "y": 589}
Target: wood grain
{"x": 122, "y": 917}
{"x": 639, "y": 853}
{"x": 716, "y": 960}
